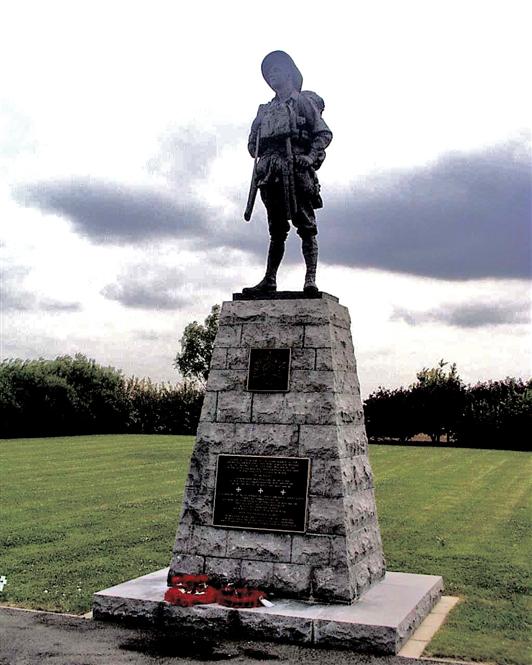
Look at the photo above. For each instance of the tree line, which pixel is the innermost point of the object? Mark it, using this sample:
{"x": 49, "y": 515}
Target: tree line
{"x": 75, "y": 395}
{"x": 490, "y": 414}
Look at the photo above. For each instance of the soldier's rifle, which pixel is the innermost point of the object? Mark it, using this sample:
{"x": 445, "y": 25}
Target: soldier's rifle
{"x": 253, "y": 187}
{"x": 290, "y": 187}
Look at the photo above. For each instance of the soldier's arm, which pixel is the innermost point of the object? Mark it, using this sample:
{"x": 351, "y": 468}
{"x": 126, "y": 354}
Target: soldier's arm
{"x": 320, "y": 133}
{"x": 255, "y": 128}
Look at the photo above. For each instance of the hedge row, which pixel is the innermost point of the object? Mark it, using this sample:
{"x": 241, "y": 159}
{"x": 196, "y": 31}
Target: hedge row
{"x": 492, "y": 414}
{"x": 75, "y": 395}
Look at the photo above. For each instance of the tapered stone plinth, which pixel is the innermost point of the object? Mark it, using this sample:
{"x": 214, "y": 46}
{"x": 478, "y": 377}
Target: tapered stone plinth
{"x": 337, "y": 555}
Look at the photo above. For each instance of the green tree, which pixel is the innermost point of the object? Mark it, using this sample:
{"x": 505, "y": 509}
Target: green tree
{"x": 438, "y": 398}
{"x": 196, "y": 347}
{"x": 497, "y": 414}
{"x": 389, "y": 414}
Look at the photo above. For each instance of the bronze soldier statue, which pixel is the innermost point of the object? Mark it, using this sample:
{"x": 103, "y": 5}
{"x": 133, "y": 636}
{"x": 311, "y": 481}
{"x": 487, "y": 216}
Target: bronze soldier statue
{"x": 288, "y": 139}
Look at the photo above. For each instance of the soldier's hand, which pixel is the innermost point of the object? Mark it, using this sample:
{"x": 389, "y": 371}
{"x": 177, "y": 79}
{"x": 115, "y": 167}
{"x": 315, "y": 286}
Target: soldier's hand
{"x": 303, "y": 161}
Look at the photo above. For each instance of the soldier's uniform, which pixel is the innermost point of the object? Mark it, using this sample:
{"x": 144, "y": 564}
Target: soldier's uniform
{"x": 289, "y": 190}
{"x": 300, "y": 118}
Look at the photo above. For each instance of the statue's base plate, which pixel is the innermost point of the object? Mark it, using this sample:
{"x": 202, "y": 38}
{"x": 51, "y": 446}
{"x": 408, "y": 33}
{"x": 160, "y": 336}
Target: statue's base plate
{"x": 380, "y": 622}
{"x": 284, "y": 295}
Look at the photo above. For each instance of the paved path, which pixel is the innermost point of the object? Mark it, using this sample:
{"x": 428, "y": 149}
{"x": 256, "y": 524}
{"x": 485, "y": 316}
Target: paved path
{"x": 31, "y": 638}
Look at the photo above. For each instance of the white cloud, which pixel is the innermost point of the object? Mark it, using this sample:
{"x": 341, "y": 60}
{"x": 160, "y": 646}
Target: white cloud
{"x": 91, "y": 88}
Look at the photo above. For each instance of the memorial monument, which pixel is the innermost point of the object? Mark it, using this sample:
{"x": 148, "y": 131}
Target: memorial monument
{"x": 280, "y": 492}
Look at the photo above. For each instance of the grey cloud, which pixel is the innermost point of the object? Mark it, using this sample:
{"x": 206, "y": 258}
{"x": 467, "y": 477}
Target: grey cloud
{"x": 58, "y": 306}
{"x": 145, "y": 288}
{"x": 113, "y": 213}
{"x": 144, "y": 285}
{"x": 468, "y": 315}
{"x": 465, "y": 217}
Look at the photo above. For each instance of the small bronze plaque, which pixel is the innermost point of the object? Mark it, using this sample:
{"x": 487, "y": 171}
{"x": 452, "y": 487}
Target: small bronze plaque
{"x": 262, "y": 493}
{"x": 269, "y": 370}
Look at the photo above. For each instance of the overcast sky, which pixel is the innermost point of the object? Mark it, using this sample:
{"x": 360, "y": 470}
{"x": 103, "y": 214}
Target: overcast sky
{"x": 124, "y": 175}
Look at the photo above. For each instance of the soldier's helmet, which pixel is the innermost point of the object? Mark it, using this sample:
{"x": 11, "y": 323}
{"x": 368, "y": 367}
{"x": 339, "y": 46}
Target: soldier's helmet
{"x": 282, "y": 59}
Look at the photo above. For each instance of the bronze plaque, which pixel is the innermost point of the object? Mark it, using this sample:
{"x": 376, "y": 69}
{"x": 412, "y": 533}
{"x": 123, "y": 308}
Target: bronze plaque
{"x": 269, "y": 370}
{"x": 262, "y": 493}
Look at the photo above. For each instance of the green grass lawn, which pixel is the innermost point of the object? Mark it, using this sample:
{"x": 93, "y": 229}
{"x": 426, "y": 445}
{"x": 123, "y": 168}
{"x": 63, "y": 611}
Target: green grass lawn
{"x": 83, "y": 513}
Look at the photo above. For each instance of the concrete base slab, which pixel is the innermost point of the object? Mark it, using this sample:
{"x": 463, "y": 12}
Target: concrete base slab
{"x": 380, "y": 622}
{"x": 417, "y": 644}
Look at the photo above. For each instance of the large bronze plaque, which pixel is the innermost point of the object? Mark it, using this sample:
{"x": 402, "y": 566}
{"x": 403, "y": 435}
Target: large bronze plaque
{"x": 262, "y": 493}
{"x": 269, "y": 370}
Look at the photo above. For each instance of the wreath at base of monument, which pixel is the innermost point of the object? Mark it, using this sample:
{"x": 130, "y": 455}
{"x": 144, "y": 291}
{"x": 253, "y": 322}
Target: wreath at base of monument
{"x": 189, "y": 590}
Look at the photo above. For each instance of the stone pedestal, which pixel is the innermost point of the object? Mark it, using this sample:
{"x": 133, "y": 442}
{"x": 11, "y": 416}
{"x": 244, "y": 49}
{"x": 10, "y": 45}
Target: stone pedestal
{"x": 338, "y": 556}
{"x": 333, "y": 557}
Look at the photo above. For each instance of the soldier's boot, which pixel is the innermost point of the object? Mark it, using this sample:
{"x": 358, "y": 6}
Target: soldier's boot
{"x": 309, "y": 247}
{"x": 268, "y": 283}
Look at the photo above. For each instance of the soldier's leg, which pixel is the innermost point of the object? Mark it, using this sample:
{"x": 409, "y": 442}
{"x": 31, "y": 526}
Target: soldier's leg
{"x": 305, "y": 222}
{"x": 278, "y": 227}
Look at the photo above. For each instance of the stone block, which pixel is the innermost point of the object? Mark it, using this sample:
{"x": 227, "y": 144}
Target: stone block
{"x": 326, "y": 515}
{"x": 197, "y": 508}
{"x": 366, "y": 572}
{"x": 208, "y": 541}
{"x": 226, "y": 570}
{"x": 275, "y": 627}
{"x": 305, "y": 381}
{"x": 202, "y": 469}
{"x": 226, "y": 379}
{"x": 352, "y": 440}
{"x": 265, "y": 439}
{"x": 258, "y": 546}
{"x": 218, "y": 358}
{"x": 362, "y": 475}
{"x": 319, "y": 441}
{"x": 205, "y": 620}
{"x": 233, "y": 406}
{"x": 181, "y": 543}
{"x": 290, "y": 579}
{"x": 331, "y": 584}
{"x": 339, "y": 554}
{"x": 360, "y": 508}
{"x": 217, "y": 437}
{"x": 342, "y": 358}
{"x": 341, "y": 338}
{"x": 326, "y": 478}
{"x": 361, "y": 542}
{"x": 257, "y": 573}
{"x": 346, "y": 382}
{"x": 326, "y": 361}
{"x": 296, "y": 408}
{"x": 285, "y": 312}
{"x": 346, "y": 635}
{"x": 348, "y": 408}
{"x": 238, "y": 358}
{"x": 269, "y": 336}
{"x": 312, "y": 550}
{"x": 303, "y": 359}
{"x": 318, "y": 336}
{"x": 228, "y": 336}
{"x": 208, "y": 410}
{"x": 360, "y": 577}
{"x": 187, "y": 564}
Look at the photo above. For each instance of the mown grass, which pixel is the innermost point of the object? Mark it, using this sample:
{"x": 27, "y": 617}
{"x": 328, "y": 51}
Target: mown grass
{"x": 463, "y": 514}
{"x": 84, "y": 513}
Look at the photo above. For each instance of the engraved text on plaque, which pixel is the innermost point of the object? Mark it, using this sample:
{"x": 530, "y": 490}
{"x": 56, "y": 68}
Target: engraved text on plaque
{"x": 260, "y": 492}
